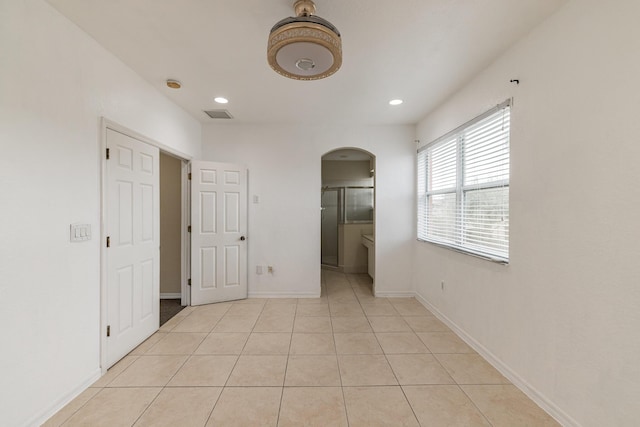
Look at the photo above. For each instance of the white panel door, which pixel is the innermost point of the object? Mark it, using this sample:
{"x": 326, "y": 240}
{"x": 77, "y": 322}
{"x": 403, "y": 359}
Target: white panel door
{"x": 132, "y": 256}
{"x": 218, "y": 232}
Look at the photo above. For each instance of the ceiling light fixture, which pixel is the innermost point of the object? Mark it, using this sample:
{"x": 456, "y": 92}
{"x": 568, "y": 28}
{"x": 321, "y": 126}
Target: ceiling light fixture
{"x": 304, "y": 47}
{"x": 396, "y": 102}
{"x": 221, "y": 100}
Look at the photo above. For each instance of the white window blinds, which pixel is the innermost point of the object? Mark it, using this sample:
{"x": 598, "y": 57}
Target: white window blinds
{"x": 463, "y": 187}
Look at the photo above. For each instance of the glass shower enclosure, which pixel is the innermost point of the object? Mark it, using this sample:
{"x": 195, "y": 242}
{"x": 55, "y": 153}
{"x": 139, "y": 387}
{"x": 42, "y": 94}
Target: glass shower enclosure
{"x": 330, "y": 214}
{"x": 342, "y": 205}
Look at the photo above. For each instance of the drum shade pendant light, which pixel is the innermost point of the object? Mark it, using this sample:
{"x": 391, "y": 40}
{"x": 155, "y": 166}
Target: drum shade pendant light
{"x": 304, "y": 47}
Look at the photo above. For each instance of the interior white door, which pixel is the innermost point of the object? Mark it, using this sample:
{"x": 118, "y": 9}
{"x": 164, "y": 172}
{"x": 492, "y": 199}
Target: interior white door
{"x": 218, "y": 232}
{"x": 133, "y": 253}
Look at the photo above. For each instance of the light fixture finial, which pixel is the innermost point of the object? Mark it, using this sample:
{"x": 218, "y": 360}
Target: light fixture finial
{"x": 304, "y": 8}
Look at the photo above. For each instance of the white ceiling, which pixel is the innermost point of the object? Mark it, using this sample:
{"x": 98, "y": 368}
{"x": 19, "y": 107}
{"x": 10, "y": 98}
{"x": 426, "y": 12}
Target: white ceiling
{"x": 418, "y": 50}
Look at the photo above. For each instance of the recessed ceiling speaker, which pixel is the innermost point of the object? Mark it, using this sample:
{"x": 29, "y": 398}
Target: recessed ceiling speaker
{"x": 304, "y": 47}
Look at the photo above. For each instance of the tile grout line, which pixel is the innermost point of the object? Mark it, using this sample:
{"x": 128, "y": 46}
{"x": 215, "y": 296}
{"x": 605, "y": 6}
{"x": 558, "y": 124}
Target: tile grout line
{"x": 435, "y": 357}
{"x": 234, "y": 365}
{"x": 147, "y": 408}
{"x": 344, "y": 400}
{"x": 399, "y": 384}
{"x": 168, "y": 381}
{"x": 391, "y": 367}
{"x": 339, "y": 373}
{"x": 224, "y": 386}
{"x": 474, "y": 403}
{"x": 74, "y": 412}
{"x": 189, "y": 356}
{"x": 286, "y": 366}
{"x": 214, "y": 405}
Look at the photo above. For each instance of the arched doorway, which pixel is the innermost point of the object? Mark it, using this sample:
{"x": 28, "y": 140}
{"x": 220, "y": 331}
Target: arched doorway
{"x": 348, "y": 212}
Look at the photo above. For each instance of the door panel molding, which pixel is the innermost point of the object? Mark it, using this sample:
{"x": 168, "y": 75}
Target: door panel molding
{"x": 132, "y": 259}
{"x": 218, "y": 232}
{"x": 127, "y": 162}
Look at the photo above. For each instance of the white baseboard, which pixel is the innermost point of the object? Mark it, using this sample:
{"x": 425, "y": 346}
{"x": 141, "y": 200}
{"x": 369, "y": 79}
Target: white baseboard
{"x": 547, "y": 405}
{"x": 176, "y": 295}
{"x": 42, "y": 417}
{"x": 284, "y": 295}
{"x": 395, "y": 294}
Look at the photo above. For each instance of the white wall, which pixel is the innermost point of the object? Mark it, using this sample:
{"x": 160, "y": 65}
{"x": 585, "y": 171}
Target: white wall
{"x": 284, "y": 164}
{"x": 564, "y": 316}
{"x": 56, "y": 84}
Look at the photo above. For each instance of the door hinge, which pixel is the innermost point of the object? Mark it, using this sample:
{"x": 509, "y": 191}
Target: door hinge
{"x": 109, "y": 330}
{"x": 108, "y": 241}
{"x": 107, "y": 154}
{"x": 189, "y": 282}
{"x": 189, "y": 176}
{"x": 188, "y": 229}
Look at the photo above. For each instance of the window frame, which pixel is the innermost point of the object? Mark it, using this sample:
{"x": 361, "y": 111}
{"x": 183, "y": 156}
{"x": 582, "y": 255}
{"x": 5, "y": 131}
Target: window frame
{"x": 459, "y": 190}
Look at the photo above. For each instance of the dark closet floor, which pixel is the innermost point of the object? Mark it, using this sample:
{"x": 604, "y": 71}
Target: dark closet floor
{"x": 168, "y": 309}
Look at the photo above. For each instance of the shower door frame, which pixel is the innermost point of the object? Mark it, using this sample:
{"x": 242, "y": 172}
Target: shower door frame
{"x": 340, "y": 200}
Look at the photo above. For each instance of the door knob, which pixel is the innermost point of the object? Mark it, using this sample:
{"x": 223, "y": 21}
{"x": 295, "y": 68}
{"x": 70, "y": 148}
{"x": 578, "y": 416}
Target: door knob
{"x": 243, "y": 238}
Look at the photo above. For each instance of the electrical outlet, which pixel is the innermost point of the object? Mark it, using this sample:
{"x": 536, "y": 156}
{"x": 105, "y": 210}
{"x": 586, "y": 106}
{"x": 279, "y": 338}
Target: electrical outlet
{"x": 270, "y": 269}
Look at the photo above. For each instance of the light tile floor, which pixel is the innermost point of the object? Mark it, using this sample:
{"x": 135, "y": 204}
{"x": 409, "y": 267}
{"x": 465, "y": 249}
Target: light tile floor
{"x": 345, "y": 359}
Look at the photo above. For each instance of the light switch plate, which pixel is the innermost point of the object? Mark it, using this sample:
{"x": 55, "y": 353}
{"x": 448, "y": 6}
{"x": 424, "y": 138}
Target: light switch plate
{"x": 80, "y": 232}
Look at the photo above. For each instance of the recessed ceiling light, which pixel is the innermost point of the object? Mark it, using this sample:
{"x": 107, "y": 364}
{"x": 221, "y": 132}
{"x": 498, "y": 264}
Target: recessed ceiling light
{"x": 221, "y": 100}
{"x": 395, "y": 102}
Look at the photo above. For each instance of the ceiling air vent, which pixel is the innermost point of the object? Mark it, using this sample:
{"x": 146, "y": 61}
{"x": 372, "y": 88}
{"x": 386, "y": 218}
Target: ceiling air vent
{"x": 219, "y": 114}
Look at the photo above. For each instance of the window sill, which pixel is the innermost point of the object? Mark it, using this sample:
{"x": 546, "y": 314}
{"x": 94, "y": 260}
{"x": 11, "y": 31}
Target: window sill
{"x": 463, "y": 251}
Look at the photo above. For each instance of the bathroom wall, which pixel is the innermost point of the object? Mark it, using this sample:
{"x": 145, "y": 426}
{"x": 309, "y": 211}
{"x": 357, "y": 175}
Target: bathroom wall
{"x": 337, "y": 173}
